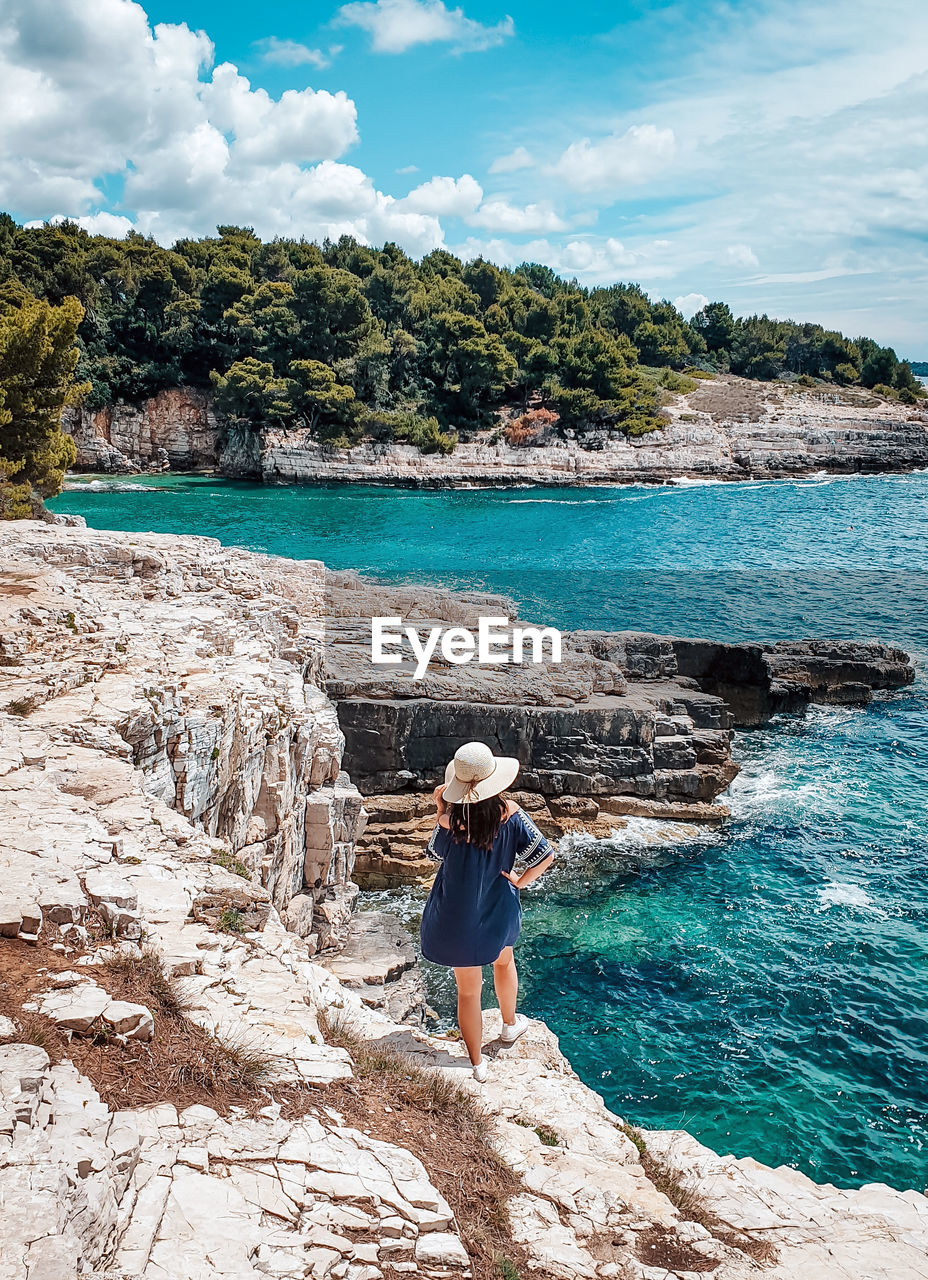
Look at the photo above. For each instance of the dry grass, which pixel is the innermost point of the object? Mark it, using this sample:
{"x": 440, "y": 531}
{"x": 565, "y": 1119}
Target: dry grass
{"x": 735, "y": 400}
{"x": 685, "y": 1196}
{"x": 445, "y": 1126}
{"x": 183, "y": 1064}
{"x": 662, "y": 1247}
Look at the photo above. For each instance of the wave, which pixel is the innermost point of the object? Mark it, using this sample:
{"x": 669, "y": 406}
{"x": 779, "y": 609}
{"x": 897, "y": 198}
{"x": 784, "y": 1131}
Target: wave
{"x": 109, "y": 486}
{"x": 839, "y": 893}
{"x": 558, "y": 502}
{"x": 638, "y": 833}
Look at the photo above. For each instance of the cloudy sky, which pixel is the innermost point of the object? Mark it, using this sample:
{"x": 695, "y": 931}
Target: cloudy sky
{"x": 772, "y": 153}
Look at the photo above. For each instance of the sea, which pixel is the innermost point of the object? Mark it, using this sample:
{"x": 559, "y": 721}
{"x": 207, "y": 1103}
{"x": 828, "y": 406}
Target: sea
{"x": 765, "y": 985}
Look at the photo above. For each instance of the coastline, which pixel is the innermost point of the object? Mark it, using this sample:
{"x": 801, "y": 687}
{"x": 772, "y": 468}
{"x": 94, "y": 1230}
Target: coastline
{"x": 729, "y": 429}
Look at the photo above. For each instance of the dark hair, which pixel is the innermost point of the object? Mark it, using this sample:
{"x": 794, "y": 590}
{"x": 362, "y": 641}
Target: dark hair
{"x": 477, "y": 823}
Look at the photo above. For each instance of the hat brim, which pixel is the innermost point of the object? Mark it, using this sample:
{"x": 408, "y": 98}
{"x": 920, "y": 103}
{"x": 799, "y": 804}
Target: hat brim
{"x": 503, "y": 776}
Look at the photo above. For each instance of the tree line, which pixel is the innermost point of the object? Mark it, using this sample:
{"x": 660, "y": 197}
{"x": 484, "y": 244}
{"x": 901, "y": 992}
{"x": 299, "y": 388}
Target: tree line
{"x": 347, "y": 342}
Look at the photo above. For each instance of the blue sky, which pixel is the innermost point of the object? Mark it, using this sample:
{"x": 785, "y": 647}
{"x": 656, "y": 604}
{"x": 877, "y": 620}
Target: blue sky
{"x": 771, "y": 153}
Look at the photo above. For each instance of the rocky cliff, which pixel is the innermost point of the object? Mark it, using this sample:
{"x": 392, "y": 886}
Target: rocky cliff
{"x": 194, "y": 670}
{"x": 170, "y": 783}
{"x": 730, "y": 429}
{"x": 176, "y": 430}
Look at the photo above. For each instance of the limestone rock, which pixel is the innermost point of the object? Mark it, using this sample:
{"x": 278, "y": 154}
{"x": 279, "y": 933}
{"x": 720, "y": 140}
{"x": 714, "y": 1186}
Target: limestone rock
{"x": 133, "y": 1021}
{"x": 379, "y": 961}
{"x": 730, "y": 428}
{"x": 441, "y": 1249}
{"x": 75, "y": 1008}
{"x": 249, "y": 904}
{"x": 104, "y": 885}
{"x": 181, "y": 728}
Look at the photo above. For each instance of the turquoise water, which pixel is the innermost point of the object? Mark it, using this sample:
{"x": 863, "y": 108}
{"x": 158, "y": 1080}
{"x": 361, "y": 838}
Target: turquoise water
{"x": 765, "y": 987}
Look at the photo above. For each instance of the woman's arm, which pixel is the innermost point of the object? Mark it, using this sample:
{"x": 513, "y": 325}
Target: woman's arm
{"x": 530, "y": 875}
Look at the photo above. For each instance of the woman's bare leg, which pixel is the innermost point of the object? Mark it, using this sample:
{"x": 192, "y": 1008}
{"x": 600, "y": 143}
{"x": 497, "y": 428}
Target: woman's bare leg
{"x": 506, "y": 982}
{"x": 470, "y": 1017}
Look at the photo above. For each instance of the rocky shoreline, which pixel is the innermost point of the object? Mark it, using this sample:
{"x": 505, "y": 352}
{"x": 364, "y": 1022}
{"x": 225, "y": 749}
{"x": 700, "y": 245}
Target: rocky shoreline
{"x": 627, "y": 724}
{"x": 729, "y": 429}
{"x": 172, "y": 773}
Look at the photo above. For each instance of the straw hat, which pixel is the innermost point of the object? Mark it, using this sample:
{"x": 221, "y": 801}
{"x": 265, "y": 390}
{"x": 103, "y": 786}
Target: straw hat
{"x": 476, "y": 773}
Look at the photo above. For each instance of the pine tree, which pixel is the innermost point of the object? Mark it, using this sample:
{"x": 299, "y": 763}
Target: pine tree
{"x": 37, "y": 361}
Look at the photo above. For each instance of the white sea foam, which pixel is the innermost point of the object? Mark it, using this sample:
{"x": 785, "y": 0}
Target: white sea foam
{"x": 638, "y": 833}
{"x": 558, "y": 502}
{"x": 693, "y": 482}
{"x": 840, "y": 893}
{"x": 108, "y": 486}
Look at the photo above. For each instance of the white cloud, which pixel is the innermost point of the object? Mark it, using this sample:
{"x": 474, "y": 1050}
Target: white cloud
{"x": 463, "y": 198}
{"x": 89, "y": 88}
{"x": 302, "y": 125}
{"x": 408, "y": 168}
{"x": 290, "y": 53}
{"x": 690, "y": 303}
{"x": 591, "y": 261}
{"x": 739, "y": 255}
{"x": 521, "y": 158}
{"x": 622, "y": 160}
{"x": 500, "y": 215}
{"x": 98, "y": 224}
{"x": 398, "y": 25}
{"x": 455, "y": 197}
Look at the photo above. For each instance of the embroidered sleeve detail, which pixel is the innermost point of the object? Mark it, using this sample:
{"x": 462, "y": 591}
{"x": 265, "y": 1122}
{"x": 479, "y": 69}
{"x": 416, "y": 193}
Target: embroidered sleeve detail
{"x": 537, "y": 848}
{"x": 431, "y": 849}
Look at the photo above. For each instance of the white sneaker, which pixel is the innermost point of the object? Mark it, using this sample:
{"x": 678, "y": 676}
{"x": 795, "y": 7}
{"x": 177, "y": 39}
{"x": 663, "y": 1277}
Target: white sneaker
{"x": 480, "y": 1071}
{"x": 511, "y": 1031}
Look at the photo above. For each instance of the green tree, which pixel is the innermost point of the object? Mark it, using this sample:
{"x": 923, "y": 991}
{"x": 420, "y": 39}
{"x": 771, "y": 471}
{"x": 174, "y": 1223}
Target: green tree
{"x": 598, "y": 383}
{"x": 38, "y": 357}
{"x": 716, "y": 325}
{"x": 250, "y": 394}
{"x": 327, "y": 407}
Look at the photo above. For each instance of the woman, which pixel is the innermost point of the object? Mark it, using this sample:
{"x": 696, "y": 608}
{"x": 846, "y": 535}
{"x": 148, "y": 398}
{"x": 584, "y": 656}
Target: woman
{"x": 473, "y": 914}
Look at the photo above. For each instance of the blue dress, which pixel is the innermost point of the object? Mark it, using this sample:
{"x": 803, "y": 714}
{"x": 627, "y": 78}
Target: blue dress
{"x": 473, "y": 912}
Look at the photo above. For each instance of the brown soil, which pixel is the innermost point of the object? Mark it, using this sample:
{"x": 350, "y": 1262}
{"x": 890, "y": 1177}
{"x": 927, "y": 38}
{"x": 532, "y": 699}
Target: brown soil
{"x": 687, "y": 1199}
{"x": 390, "y": 1097}
{"x": 662, "y": 1247}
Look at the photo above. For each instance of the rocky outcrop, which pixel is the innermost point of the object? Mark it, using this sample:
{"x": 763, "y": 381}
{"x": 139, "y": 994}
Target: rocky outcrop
{"x": 175, "y": 430}
{"x": 628, "y": 724}
{"x": 379, "y": 962}
{"x": 104, "y": 633}
{"x": 729, "y": 429}
{"x": 759, "y": 681}
{"x": 179, "y": 672}
{"x": 624, "y": 714}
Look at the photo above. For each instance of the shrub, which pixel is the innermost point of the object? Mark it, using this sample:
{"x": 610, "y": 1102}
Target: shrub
{"x": 680, "y": 383}
{"x": 407, "y": 427}
{"x": 526, "y": 429}
{"x": 231, "y": 921}
{"x": 222, "y": 858}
